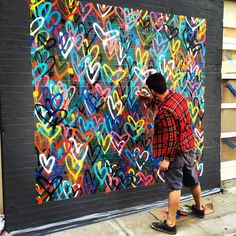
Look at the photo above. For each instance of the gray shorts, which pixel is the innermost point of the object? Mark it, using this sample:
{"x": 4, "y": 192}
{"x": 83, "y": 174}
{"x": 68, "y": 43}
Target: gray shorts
{"x": 181, "y": 172}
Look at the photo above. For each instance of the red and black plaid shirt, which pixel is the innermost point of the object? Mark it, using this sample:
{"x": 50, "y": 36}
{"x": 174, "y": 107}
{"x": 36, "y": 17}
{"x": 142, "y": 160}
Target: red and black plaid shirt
{"x": 172, "y": 130}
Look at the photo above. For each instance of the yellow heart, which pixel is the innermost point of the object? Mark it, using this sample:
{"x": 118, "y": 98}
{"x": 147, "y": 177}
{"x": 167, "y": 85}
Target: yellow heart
{"x": 194, "y": 111}
{"x": 93, "y": 51}
{"x": 42, "y": 32}
{"x": 33, "y": 5}
{"x": 175, "y": 45}
{"x": 74, "y": 166}
{"x": 143, "y": 17}
{"x": 142, "y": 57}
{"x": 138, "y": 123}
{"x": 113, "y": 73}
{"x": 85, "y": 44}
{"x": 105, "y": 143}
{"x": 132, "y": 172}
{"x": 50, "y": 135}
{"x": 177, "y": 77}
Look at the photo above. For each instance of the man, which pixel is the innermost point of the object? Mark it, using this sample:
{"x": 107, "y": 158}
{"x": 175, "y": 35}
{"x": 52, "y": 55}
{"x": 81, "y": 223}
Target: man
{"x": 173, "y": 140}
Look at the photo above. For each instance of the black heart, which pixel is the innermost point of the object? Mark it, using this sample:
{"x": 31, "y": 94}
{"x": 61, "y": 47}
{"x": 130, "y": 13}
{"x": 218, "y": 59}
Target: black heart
{"x": 171, "y": 32}
{"x": 93, "y": 153}
{"x": 44, "y": 183}
{"x": 48, "y": 44}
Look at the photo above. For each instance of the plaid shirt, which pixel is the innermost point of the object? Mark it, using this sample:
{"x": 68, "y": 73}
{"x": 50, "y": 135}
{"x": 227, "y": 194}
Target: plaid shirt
{"x": 172, "y": 131}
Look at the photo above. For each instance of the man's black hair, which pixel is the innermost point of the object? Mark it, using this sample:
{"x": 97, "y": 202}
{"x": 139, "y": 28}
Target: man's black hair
{"x": 157, "y": 82}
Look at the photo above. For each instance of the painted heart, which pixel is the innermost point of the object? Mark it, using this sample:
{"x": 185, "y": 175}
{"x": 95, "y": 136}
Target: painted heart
{"x": 66, "y": 44}
{"x": 115, "y": 107}
{"x": 114, "y": 75}
{"x": 105, "y": 37}
{"x": 78, "y": 65}
{"x": 142, "y": 159}
{"x": 145, "y": 179}
{"x": 68, "y": 8}
{"x": 132, "y": 155}
{"x": 41, "y": 144}
{"x": 92, "y": 100}
{"x": 143, "y": 75}
{"x": 47, "y": 163}
{"x": 47, "y": 43}
{"x": 85, "y": 10}
{"x": 145, "y": 34}
{"x": 60, "y": 150}
{"x": 112, "y": 183}
{"x": 94, "y": 153}
{"x": 78, "y": 151}
{"x": 103, "y": 11}
{"x": 119, "y": 141}
{"x": 93, "y": 72}
{"x": 193, "y": 87}
{"x": 38, "y": 72}
{"x": 67, "y": 93}
{"x": 132, "y": 125}
{"x": 170, "y": 31}
{"x": 127, "y": 18}
{"x": 36, "y": 25}
{"x": 83, "y": 138}
{"x": 50, "y": 133}
{"x": 104, "y": 92}
{"x": 194, "y": 111}
{"x": 53, "y": 20}
{"x": 51, "y": 185}
{"x": 47, "y": 117}
{"x": 100, "y": 172}
{"x": 74, "y": 166}
{"x": 125, "y": 180}
{"x": 104, "y": 141}
{"x": 90, "y": 183}
{"x": 198, "y": 134}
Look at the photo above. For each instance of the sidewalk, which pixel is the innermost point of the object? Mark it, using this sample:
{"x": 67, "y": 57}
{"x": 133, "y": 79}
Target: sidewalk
{"x": 221, "y": 222}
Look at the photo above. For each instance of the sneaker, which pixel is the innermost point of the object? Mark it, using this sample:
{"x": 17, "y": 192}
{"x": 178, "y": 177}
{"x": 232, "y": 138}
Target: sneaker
{"x": 163, "y": 227}
{"x": 198, "y": 213}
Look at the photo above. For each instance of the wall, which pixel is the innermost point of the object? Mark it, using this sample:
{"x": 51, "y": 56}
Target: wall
{"x": 21, "y": 162}
{"x": 1, "y": 184}
{"x": 228, "y": 98}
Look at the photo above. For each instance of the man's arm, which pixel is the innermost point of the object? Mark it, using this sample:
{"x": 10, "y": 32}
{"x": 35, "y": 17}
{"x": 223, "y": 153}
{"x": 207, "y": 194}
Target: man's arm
{"x": 145, "y": 97}
{"x": 170, "y": 140}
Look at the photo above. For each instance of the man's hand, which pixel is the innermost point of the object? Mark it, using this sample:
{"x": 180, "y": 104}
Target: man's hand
{"x": 144, "y": 93}
{"x": 164, "y": 165}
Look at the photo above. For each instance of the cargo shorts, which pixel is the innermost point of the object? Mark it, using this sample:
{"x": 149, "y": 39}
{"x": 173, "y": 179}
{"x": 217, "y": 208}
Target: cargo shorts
{"x": 181, "y": 172}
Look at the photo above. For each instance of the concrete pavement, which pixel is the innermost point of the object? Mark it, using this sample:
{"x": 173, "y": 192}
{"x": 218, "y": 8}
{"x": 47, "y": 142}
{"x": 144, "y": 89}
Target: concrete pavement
{"x": 221, "y": 222}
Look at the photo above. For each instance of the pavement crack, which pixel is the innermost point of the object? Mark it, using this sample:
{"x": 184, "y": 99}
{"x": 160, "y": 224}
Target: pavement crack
{"x": 120, "y": 224}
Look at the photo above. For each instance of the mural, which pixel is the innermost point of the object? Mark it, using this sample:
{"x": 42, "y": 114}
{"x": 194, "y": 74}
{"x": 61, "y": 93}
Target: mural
{"x": 92, "y": 134}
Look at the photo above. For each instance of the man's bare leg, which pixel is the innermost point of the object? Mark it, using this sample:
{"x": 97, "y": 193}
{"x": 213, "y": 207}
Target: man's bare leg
{"x": 197, "y": 192}
{"x": 173, "y": 206}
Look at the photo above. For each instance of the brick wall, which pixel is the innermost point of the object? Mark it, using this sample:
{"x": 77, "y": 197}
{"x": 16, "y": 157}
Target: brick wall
{"x": 18, "y": 124}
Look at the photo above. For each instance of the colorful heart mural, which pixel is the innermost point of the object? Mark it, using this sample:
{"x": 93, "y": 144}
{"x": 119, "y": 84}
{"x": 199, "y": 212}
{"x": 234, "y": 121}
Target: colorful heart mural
{"x": 92, "y": 134}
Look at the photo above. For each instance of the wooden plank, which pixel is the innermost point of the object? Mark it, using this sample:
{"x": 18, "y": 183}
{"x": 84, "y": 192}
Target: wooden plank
{"x": 228, "y": 105}
{"x": 229, "y": 61}
{"x": 228, "y": 170}
{"x": 228, "y": 91}
{"x": 228, "y": 134}
{"x": 228, "y": 76}
{"x": 229, "y": 14}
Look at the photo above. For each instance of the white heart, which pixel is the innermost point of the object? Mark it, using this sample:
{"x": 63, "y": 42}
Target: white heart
{"x": 105, "y": 36}
{"x": 39, "y": 26}
{"x": 112, "y": 106}
{"x": 47, "y": 163}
